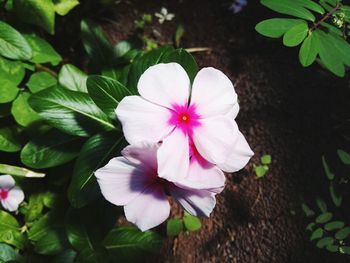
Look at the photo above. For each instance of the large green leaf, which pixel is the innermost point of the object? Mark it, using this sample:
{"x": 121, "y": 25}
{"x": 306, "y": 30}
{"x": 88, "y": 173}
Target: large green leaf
{"x": 40, "y": 80}
{"x": 8, "y": 254}
{"x": 97, "y": 45}
{"x": 295, "y": 35}
{"x": 11, "y": 70}
{"x": 50, "y": 149}
{"x": 341, "y": 46}
{"x": 43, "y": 52}
{"x": 289, "y": 7}
{"x": 22, "y": 112}
{"x": 52, "y": 243}
{"x": 308, "y": 50}
{"x": 70, "y": 111}
{"x": 19, "y": 171}
{"x": 12, "y": 43}
{"x": 37, "y": 12}
{"x": 106, "y": 93}
{"x": 9, "y": 141}
{"x": 72, "y": 78}
{"x": 128, "y": 244}
{"x": 8, "y": 90}
{"x": 276, "y": 27}
{"x": 309, "y": 4}
{"x": 95, "y": 153}
{"x": 9, "y": 231}
{"x": 67, "y": 256}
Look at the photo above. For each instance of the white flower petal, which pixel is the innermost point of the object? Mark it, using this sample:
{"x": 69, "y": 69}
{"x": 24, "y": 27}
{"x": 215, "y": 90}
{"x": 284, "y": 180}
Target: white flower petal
{"x": 173, "y": 156}
{"x": 149, "y": 209}
{"x": 215, "y": 138}
{"x": 143, "y": 120}
{"x": 14, "y": 199}
{"x": 143, "y": 153}
{"x": 121, "y": 181}
{"x": 195, "y": 202}
{"x": 213, "y": 93}
{"x": 6, "y": 182}
{"x": 239, "y": 156}
{"x": 165, "y": 84}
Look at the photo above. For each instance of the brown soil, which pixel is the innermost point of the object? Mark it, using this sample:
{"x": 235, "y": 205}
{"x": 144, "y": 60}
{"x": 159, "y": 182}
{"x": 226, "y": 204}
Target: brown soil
{"x": 286, "y": 111}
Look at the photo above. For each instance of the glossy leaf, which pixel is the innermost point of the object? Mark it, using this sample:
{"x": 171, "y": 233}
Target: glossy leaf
{"x": 295, "y": 35}
{"x": 8, "y": 253}
{"x": 50, "y": 149}
{"x": 11, "y": 70}
{"x": 52, "y": 243}
{"x": 96, "y": 152}
{"x": 12, "y": 43}
{"x": 106, "y": 93}
{"x": 191, "y": 222}
{"x": 70, "y": 111}
{"x": 324, "y": 242}
{"x": 9, "y": 141}
{"x": 9, "y": 231}
{"x": 62, "y": 7}
{"x": 308, "y": 50}
{"x": 72, "y": 78}
{"x": 19, "y": 171}
{"x": 8, "y": 90}
{"x": 22, "y": 112}
{"x": 174, "y": 227}
{"x": 334, "y": 225}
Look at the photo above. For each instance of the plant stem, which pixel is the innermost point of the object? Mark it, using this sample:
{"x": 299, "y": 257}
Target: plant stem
{"x": 198, "y": 49}
{"x": 46, "y": 69}
{"x": 328, "y": 15}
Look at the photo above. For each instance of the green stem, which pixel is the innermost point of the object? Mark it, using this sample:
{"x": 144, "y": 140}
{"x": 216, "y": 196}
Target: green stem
{"x": 40, "y": 67}
{"x": 328, "y": 15}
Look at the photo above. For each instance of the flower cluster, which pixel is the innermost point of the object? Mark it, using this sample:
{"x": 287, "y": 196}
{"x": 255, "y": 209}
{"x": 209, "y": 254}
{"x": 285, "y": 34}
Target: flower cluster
{"x": 182, "y": 140}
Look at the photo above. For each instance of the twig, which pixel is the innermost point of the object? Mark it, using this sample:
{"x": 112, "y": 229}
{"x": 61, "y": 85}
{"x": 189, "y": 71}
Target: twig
{"x": 335, "y": 9}
{"x": 46, "y": 69}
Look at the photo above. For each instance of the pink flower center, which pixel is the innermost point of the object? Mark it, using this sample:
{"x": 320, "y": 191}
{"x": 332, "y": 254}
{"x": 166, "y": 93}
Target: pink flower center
{"x": 4, "y": 193}
{"x": 185, "y": 118}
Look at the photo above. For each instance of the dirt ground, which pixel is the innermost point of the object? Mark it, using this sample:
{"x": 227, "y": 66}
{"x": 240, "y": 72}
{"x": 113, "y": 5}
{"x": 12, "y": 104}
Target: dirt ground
{"x": 286, "y": 111}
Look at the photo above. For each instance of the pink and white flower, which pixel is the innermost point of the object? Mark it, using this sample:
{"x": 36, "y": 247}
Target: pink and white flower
{"x": 11, "y": 196}
{"x": 132, "y": 181}
{"x": 168, "y": 110}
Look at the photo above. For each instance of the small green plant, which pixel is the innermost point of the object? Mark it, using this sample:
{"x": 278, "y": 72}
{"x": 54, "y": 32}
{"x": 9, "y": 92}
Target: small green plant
{"x": 176, "y": 225}
{"x": 145, "y": 19}
{"x": 326, "y": 230}
{"x": 263, "y": 167}
{"x": 321, "y": 29}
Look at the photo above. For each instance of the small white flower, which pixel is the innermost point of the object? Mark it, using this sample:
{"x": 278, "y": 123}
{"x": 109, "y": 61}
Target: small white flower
{"x": 11, "y": 196}
{"x": 164, "y": 15}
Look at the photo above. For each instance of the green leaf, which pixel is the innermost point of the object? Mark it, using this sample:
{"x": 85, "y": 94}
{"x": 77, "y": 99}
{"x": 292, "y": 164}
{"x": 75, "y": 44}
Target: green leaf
{"x": 343, "y": 233}
{"x": 336, "y": 198}
{"x": 318, "y": 233}
{"x": 52, "y": 243}
{"x": 334, "y": 225}
{"x": 8, "y": 90}
{"x": 9, "y": 231}
{"x": 321, "y": 205}
{"x": 276, "y": 27}
{"x": 344, "y": 250}
{"x": 332, "y": 29}
{"x": 19, "y": 171}
{"x": 310, "y": 226}
{"x": 144, "y": 62}
{"x": 261, "y": 170}
{"x": 327, "y": 170}
{"x": 43, "y": 52}
{"x": 289, "y": 8}
{"x": 70, "y": 111}
{"x": 8, "y": 254}
{"x": 295, "y": 35}
{"x": 22, "y": 112}
{"x": 67, "y": 256}
{"x": 329, "y": 56}
{"x": 96, "y": 44}
{"x": 307, "y": 210}
{"x": 266, "y": 159}
{"x": 62, "y": 7}
{"x": 34, "y": 208}
{"x": 9, "y": 141}
{"x": 309, "y": 4}
{"x": 72, "y": 78}
{"x": 40, "y": 80}
{"x": 332, "y": 248}
{"x": 127, "y": 244}
{"x": 106, "y": 93}
{"x": 344, "y": 156}
{"x": 94, "y": 154}
{"x": 174, "y": 227}
{"x": 341, "y": 46}
{"x": 308, "y": 50}
{"x": 191, "y": 222}
{"x": 50, "y": 149}
{"x": 185, "y": 59}
{"x": 12, "y": 43}
{"x": 180, "y": 31}
{"x": 324, "y": 242}
{"x": 37, "y": 12}
{"x": 11, "y": 70}
{"x": 40, "y": 227}
{"x": 324, "y": 218}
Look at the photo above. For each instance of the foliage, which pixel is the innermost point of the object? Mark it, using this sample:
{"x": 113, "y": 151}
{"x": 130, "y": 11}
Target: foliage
{"x": 59, "y": 124}
{"x": 327, "y": 229}
{"x": 320, "y": 28}
{"x": 176, "y": 225}
{"x": 262, "y": 169}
